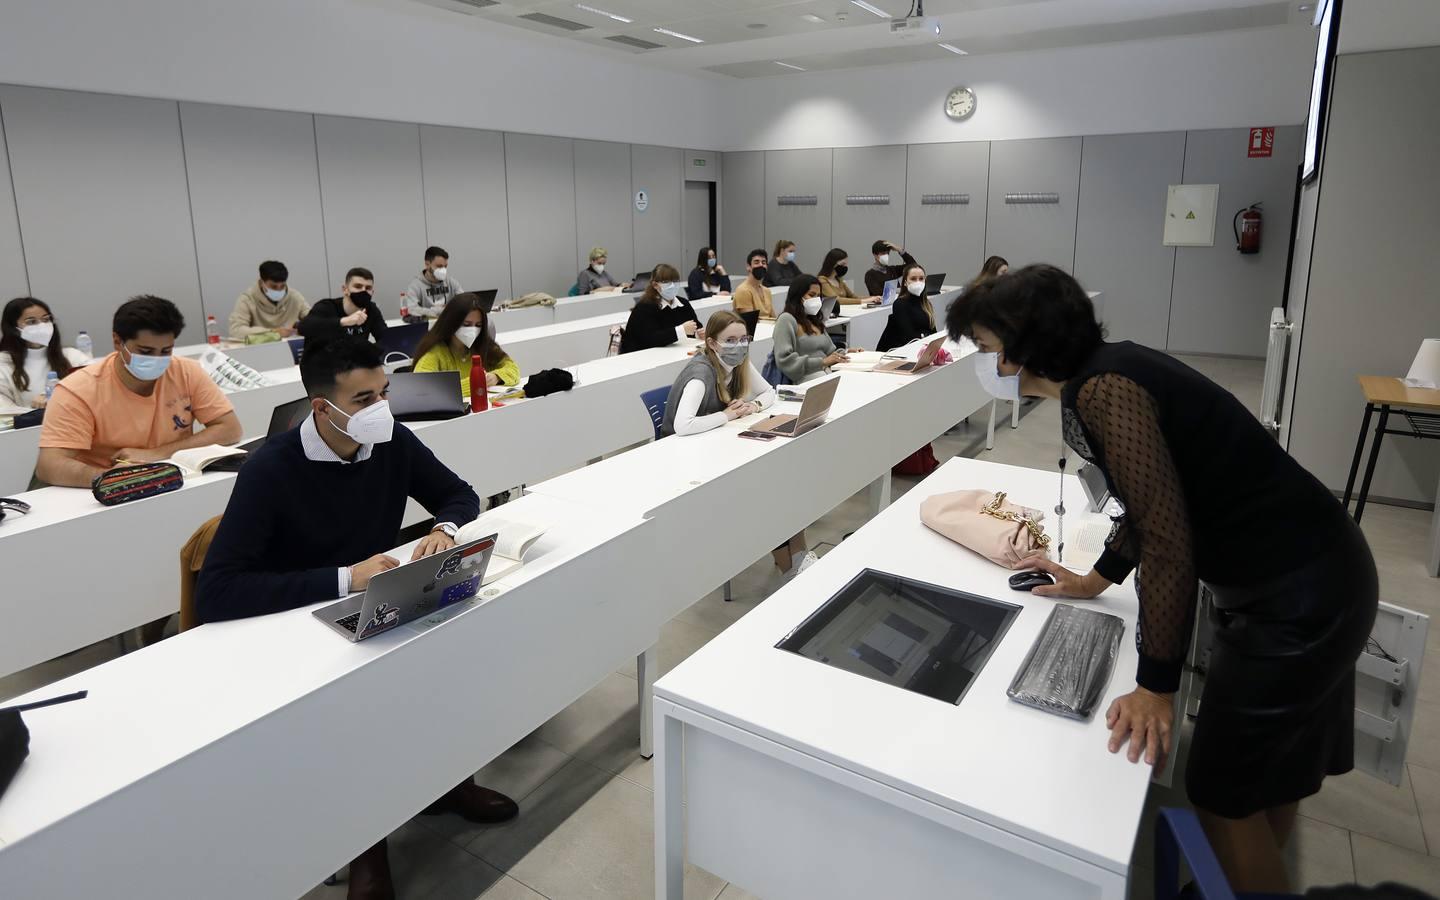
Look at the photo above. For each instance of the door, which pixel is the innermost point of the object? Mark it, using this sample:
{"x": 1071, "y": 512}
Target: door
{"x": 699, "y": 223}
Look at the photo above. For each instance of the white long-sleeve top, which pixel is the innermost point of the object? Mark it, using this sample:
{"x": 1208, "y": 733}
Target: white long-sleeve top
{"x": 693, "y": 394}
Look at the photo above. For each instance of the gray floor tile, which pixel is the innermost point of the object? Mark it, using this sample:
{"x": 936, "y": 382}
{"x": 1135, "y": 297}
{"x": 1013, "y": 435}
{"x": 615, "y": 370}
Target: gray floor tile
{"x": 479, "y": 881}
{"x": 588, "y": 837}
{"x": 602, "y": 727}
{"x": 1427, "y": 796}
{"x": 678, "y": 639}
{"x": 517, "y": 773}
{"x": 1377, "y": 862}
{"x": 1424, "y": 748}
{"x": 1369, "y": 806}
{"x": 421, "y": 862}
{"x": 1319, "y": 854}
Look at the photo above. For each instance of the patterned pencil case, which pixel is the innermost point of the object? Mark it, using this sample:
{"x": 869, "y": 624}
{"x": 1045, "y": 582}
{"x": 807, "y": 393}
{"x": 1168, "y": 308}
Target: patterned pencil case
{"x": 125, "y": 483}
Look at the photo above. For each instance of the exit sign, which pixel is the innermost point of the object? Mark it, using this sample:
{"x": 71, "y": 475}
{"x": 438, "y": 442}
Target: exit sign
{"x": 700, "y": 163}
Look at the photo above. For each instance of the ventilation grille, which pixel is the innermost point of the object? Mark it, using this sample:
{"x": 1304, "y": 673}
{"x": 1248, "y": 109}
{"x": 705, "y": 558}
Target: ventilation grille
{"x": 555, "y": 22}
{"x": 480, "y": 4}
{"x": 867, "y": 200}
{"x": 944, "y": 199}
{"x": 797, "y": 200}
{"x": 635, "y": 42}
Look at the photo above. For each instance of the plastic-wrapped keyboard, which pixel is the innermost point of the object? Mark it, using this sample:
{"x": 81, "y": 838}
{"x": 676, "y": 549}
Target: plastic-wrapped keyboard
{"x": 1069, "y": 665}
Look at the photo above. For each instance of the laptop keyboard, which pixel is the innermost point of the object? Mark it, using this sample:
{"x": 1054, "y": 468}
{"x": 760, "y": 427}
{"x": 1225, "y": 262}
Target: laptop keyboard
{"x": 350, "y": 622}
{"x": 787, "y": 428}
{"x": 905, "y": 367}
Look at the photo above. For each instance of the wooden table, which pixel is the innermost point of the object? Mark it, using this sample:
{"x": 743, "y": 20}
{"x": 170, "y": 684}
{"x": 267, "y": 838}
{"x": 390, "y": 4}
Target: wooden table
{"x": 1420, "y": 407}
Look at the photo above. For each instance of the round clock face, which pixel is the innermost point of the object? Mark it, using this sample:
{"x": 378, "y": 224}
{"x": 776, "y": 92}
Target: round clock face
{"x": 960, "y": 104}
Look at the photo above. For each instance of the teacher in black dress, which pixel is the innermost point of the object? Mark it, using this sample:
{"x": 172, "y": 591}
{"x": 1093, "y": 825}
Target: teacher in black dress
{"x": 1209, "y": 497}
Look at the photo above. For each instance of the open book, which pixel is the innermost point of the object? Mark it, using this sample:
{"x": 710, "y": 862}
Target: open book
{"x": 200, "y": 459}
{"x": 515, "y": 538}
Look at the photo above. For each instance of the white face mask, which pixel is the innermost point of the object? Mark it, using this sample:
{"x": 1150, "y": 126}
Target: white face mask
{"x": 598, "y": 267}
{"x": 790, "y": 256}
{"x": 1001, "y": 387}
{"x": 467, "y": 334}
{"x": 884, "y": 259}
{"x": 669, "y": 290}
{"x": 39, "y": 333}
{"x": 812, "y": 305}
{"x": 440, "y": 273}
{"x": 372, "y": 425}
{"x": 916, "y": 288}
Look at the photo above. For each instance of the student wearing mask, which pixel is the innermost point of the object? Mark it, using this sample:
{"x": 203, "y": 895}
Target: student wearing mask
{"x": 432, "y": 288}
{"x": 312, "y": 517}
{"x": 719, "y": 383}
{"x": 30, "y": 349}
{"x": 803, "y": 348}
{"x": 660, "y": 317}
{"x": 463, "y": 331}
{"x": 595, "y": 277}
{"x": 752, "y": 300}
{"x": 912, "y": 316}
{"x": 708, "y": 278}
{"x": 352, "y": 314}
{"x": 1210, "y": 498}
{"x": 890, "y": 263}
{"x": 138, "y": 404}
{"x": 782, "y": 269}
{"x": 832, "y": 280}
{"x": 268, "y": 306}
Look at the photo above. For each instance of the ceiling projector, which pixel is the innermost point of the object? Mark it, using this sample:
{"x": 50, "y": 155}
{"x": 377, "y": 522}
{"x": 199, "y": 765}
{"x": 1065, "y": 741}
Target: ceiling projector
{"x": 915, "y": 27}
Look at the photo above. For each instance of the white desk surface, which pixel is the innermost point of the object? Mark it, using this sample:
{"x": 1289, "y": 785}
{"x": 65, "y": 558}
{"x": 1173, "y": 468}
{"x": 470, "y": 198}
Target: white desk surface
{"x": 1045, "y": 778}
{"x": 184, "y": 709}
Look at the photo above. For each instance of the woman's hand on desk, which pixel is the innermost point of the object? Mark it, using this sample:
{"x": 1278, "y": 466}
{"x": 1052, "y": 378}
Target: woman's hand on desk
{"x": 739, "y": 409}
{"x": 833, "y": 359}
{"x": 1144, "y": 718}
{"x": 1067, "y": 583}
{"x": 691, "y": 329}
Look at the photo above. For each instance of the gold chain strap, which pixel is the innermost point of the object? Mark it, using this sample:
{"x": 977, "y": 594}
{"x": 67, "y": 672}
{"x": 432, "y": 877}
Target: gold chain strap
{"x": 1037, "y": 531}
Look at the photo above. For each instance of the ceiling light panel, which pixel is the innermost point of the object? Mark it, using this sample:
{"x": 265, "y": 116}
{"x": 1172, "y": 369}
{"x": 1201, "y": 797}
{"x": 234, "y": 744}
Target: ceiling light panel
{"x": 677, "y": 34}
{"x": 596, "y": 11}
{"x": 871, "y": 9}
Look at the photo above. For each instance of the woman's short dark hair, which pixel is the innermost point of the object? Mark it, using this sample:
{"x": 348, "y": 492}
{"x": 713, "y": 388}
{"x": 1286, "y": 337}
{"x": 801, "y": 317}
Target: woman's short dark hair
{"x": 147, "y": 313}
{"x": 12, "y": 344}
{"x": 1041, "y": 315}
{"x": 832, "y": 259}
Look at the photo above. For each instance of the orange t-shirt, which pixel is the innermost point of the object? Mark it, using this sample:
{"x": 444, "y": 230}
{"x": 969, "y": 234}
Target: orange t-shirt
{"x": 92, "y": 411}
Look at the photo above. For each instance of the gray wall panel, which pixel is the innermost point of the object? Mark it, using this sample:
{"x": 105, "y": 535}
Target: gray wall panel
{"x": 100, "y": 188}
{"x": 370, "y": 184}
{"x": 742, "y": 207}
{"x": 944, "y": 238}
{"x": 1118, "y": 247}
{"x": 254, "y": 195}
{"x": 603, "y": 199}
{"x": 540, "y": 175}
{"x": 659, "y": 229}
{"x": 862, "y": 170}
{"x": 1372, "y": 291}
{"x": 799, "y": 172}
{"x": 465, "y": 203}
{"x": 710, "y": 171}
{"x": 1026, "y": 233}
{"x": 1222, "y": 299}
{"x": 13, "y": 280}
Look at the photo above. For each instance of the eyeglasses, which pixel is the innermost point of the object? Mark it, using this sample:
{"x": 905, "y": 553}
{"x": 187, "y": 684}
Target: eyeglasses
{"x": 742, "y": 342}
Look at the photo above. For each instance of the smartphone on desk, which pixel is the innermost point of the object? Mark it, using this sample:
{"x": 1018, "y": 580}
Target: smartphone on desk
{"x": 759, "y": 435}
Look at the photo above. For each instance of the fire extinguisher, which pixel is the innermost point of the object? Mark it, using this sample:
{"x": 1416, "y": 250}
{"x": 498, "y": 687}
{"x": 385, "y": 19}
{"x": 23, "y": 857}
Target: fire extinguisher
{"x": 1247, "y": 229}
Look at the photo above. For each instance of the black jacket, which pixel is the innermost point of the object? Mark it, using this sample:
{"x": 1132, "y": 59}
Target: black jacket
{"x": 323, "y": 322}
{"x": 908, "y": 321}
{"x": 651, "y": 325}
{"x": 781, "y": 274}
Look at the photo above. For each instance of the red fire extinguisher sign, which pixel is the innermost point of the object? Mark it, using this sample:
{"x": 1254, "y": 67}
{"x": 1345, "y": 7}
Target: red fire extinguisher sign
{"x": 1262, "y": 142}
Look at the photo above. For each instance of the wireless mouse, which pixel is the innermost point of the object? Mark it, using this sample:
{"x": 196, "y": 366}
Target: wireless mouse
{"x": 1029, "y": 581}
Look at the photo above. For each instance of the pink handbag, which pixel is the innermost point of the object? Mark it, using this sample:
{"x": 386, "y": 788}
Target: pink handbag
{"x": 985, "y": 522}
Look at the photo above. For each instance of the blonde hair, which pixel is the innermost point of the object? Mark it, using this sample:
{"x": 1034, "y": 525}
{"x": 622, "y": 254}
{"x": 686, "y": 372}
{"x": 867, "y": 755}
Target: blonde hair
{"x": 597, "y": 253}
{"x": 738, "y": 384}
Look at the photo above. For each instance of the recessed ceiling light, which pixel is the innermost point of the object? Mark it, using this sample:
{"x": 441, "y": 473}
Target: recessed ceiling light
{"x": 676, "y": 34}
{"x": 788, "y": 66}
{"x": 873, "y": 10}
{"x": 601, "y": 12}
{"x": 954, "y": 49}
{"x": 757, "y": 25}
{"x": 1305, "y": 7}
{"x": 813, "y": 19}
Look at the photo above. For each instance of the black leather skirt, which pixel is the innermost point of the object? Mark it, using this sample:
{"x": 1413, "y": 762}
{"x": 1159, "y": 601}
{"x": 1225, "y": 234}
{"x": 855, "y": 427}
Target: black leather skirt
{"x": 1277, "y": 713}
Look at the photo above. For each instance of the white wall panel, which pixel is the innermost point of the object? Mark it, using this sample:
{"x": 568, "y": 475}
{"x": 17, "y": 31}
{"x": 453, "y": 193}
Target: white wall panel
{"x": 465, "y": 203}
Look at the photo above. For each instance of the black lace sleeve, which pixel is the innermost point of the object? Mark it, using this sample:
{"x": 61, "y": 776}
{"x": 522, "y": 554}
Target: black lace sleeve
{"x": 1122, "y": 425}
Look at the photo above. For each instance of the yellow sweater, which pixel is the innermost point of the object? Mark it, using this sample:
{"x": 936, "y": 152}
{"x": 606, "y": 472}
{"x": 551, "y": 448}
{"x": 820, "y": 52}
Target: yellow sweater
{"x": 442, "y": 358}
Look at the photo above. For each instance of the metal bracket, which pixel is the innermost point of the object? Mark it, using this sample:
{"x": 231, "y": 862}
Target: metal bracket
{"x": 1376, "y": 726}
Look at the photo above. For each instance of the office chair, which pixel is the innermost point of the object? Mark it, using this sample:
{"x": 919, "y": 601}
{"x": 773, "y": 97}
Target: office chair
{"x": 655, "y": 405}
{"x": 1177, "y": 833}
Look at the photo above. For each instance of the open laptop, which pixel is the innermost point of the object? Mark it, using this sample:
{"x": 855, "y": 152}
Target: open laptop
{"x": 933, "y": 283}
{"x": 408, "y": 592}
{"x": 890, "y": 292}
{"x": 426, "y": 397}
{"x": 641, "y": 282}
{"x": 923, "y": 361}
{"x": 813, "y": 411}
{"x": 487, "y": 299}
{"x": 403, "y": 338}
{"x": 285, "y": 417}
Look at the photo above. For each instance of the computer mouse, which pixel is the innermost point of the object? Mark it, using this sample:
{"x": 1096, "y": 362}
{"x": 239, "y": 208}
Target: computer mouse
{"x": 1029, "y": 581}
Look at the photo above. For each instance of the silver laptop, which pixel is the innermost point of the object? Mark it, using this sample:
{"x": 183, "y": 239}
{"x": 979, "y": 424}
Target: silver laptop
{"x": 812, "y": 412}
{"x": 408, "y": 592}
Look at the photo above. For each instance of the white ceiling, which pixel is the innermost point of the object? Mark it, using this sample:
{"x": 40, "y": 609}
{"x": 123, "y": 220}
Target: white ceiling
{"x": 749, "y": 38}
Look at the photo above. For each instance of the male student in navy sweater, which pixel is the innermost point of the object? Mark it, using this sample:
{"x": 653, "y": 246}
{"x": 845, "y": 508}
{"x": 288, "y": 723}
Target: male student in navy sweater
{"x": 311, "y": 517}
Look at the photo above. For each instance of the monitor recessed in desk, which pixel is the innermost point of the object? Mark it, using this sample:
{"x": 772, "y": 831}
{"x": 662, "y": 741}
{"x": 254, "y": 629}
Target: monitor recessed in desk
{"x": 920, "y": 637}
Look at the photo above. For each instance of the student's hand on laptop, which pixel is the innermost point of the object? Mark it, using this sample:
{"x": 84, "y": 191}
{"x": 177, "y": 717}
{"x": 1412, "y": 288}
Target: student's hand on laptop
{"x": 873, "y": 302}
{"x": 136, "y": 455}
{"x": 361, "y": 573}
{"x": 431, "y": 544}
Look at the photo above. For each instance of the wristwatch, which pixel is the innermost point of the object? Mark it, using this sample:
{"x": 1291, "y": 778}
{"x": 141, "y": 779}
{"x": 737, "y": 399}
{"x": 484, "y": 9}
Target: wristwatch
{"x": 449, "y": 528}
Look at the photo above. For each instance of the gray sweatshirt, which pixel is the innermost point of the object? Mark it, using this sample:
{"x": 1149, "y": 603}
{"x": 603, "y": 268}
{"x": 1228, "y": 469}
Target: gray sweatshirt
{"x": 425, "y": 299}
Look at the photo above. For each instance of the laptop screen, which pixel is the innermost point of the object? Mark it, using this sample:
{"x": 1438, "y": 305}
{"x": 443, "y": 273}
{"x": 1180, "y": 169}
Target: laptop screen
{"x": 425, "y": 395}
{"x": 891, "y": 291}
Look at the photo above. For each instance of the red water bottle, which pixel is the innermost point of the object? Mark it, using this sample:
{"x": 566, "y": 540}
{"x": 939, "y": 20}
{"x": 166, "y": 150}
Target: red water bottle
{"x": 212, "y": 330}
{"x": 479, "y": 396}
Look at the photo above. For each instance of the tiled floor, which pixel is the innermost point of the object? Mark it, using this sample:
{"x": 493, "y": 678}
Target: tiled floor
{"x": 585, "y": 829}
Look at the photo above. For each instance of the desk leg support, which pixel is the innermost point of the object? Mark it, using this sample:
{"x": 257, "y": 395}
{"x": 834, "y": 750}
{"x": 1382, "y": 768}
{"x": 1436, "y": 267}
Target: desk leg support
{"x": 1370, "y": 466}
{"x": 1014, "y": 414}
{"x": 1434, "y": 567}
{"x": 990, "y": 428}
{"x": 645, "y": 665}
{"x": 669, "y": 815}
{"x": 879, "y": 494}
{"x": 1359, "y": 451}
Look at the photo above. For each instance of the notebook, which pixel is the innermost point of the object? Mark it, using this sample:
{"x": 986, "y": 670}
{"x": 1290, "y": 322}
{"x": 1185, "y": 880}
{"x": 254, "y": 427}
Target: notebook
{"x": 211, "y": 457}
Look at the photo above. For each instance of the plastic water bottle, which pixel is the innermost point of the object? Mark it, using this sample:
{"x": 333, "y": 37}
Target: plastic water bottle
{"x": 85, "y": 345}
{"x": 212, "y": 330}
{"x": 50, "y": 381}
{"x": 479, "y": 396}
